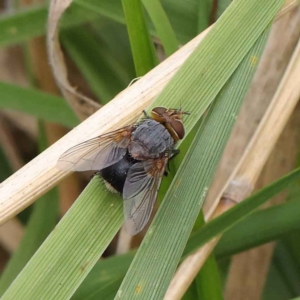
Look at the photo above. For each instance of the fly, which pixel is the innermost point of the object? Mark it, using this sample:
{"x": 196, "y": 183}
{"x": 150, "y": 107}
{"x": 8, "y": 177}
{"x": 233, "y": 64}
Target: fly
{"x": 132, "y": 161}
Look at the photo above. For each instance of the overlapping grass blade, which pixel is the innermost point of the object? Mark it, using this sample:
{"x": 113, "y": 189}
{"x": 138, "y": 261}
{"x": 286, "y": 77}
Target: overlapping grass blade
{"x": 259, "y": 228}
{"x": 41, "y": 105}
{"x": 104, "y": 279}
{"x": 116, "y": 266}
{"x": 168, "y": 234}
{"x": 72, "y": 249}
{"x": 142, "y": 47}
{"x": 240, "y": 211}
{"x": 162, "y": 25}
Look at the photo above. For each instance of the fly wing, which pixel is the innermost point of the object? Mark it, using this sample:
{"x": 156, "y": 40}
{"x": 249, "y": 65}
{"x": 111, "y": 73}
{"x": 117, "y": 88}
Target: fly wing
{"x": 96, "y": 153}
{"x": 140, "y": 191}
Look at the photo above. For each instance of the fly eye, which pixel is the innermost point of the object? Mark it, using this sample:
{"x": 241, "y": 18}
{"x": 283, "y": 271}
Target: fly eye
{"x": 178, "y": 128}
{"x": 159, "y": 110}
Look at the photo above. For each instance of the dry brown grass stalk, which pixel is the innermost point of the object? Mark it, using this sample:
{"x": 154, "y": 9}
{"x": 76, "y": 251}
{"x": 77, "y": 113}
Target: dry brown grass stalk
{"x": 247, "y": 171}
{"x": 82, "y": 106}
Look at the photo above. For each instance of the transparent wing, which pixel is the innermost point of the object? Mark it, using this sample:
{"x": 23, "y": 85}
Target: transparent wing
{"x": 96, "y": 153}
{"x": 140, "y": 191}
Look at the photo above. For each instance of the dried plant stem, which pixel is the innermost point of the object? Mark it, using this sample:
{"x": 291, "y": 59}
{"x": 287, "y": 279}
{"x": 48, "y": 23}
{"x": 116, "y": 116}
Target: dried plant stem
{"x": 82, "y": 106}
{"x": 246, "y": 173}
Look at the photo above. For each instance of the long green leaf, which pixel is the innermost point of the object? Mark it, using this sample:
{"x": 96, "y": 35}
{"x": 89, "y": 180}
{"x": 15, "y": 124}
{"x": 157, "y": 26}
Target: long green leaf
{"x": 259, "y": 228}
{"x": 72, "y": 249}
{"x": 240, "y": 211}
{"x": 166, "y": 238}
{"x": 142, "y": 48}
{"x": 41, "y": 105}
{"x": 162, "y": 25}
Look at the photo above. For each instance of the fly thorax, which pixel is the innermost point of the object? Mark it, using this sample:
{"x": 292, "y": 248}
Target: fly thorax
{"x": 150, "y": 140}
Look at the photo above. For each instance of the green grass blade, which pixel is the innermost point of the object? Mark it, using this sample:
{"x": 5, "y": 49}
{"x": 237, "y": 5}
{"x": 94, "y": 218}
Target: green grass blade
{"x": 72, "y": 248}
{"x": 142, "y": 48}
{"x": 42, "y": 220}
{"x": 259, "y": 228}
{"x": 208, "y": 281}
{"x": 103, "y": 277}
{"x": 156, "y": 260}
{"x": 191, "y": 293}
{"x": 240, "y": 211}
{"x": 28, "y": 23}
{"x": 102, "y": 71}
{"x": 286, "y": 265}
{"x": 162, "y": 25}
{"x": 222, "y": 5}
{"x": 115, "y": 36}
{"x": 204, "y": 14}
{"x": 275, "y": 287}
{"x": 41, "y": 105}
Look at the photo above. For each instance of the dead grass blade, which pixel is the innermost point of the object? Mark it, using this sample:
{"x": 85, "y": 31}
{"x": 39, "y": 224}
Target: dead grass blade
{"x": 82, "y": 106}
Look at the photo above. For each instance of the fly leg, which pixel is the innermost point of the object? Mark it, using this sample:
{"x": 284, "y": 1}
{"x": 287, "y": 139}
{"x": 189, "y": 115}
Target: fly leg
{"x": 146, "y": 115}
